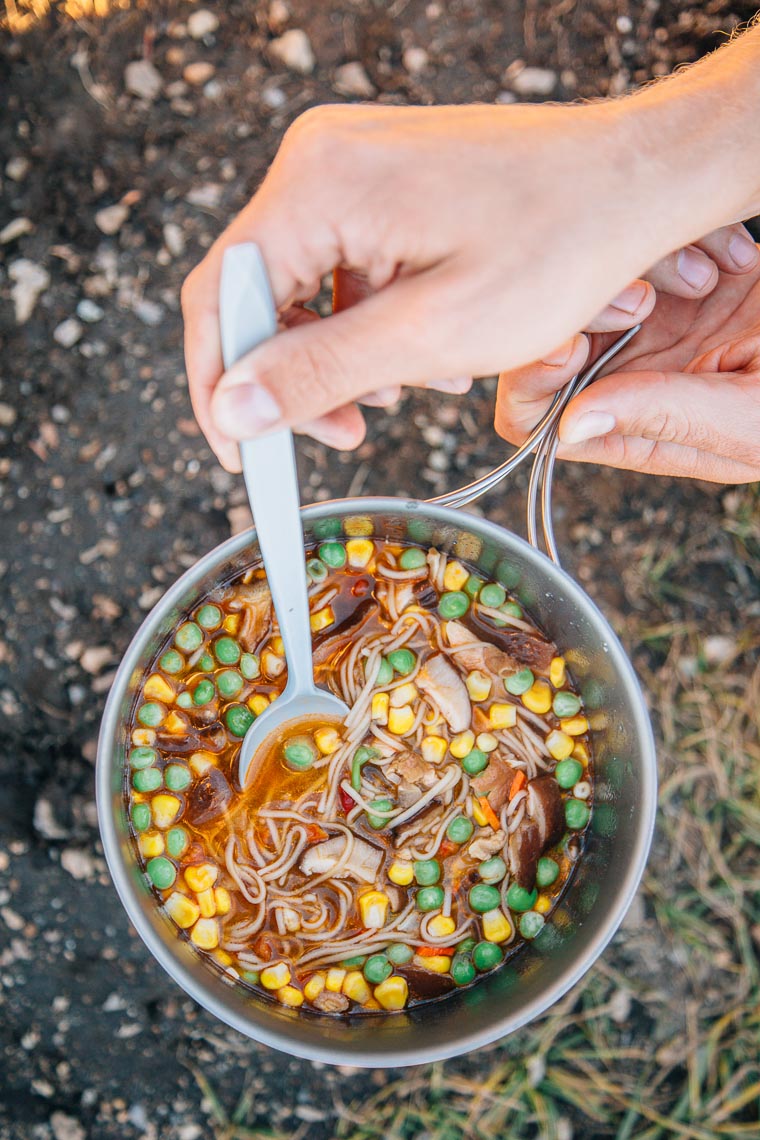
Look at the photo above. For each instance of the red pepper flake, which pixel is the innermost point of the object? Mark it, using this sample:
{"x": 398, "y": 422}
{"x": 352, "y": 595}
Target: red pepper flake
{"x": 347, "y": 803}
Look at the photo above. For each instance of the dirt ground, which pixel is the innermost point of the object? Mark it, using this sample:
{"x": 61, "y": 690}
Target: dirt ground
{"x": 109, "y": 492}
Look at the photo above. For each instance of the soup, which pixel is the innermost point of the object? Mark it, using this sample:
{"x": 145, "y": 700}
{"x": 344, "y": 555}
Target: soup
{"x": 383, "y": 862}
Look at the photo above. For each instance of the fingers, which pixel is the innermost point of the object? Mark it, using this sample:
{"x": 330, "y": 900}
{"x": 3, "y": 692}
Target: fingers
{"x": 731, "y": 248}
{"x": 693, "y": 271}
{"x": 630, "y": 307}
{"x": 633, "y": 453}
{"x": 524, "y": 394}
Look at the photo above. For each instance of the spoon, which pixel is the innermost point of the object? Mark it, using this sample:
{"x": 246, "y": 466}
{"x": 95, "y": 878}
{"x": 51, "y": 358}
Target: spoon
{"x": 248, "y": 317}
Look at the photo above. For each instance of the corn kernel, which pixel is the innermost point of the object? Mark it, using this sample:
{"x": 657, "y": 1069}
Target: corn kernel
{"x": 355, "y": 987}
{"x": 543, "y": 904}
{"x": 222, "y": 900}
{"x": 480, "y": 721}
{"x": 335, "y": 979}
{"x": 232, "y": 623}
{"x": 372, "y": 1004}
{"x": 438, "y": 963}
{"x": 272, "y": 664}
{"x": 455, "y": 576}
{"x": 276, "y": 976}
{"x": 151, "y": 843}
{"x": 223, "y": 958}
{"x": 393, "y": 993}
{"x": 359, "y": 552}
{"x": 182, "y": 910}
{"x": 478, "y": 685}
{"x": 358, "y": 526}
{"x": 201, "y": 877}
{"x": 144, "y": 737}
{"x": 478, "y": 814}
{"x": 258, "y": 703}
{"x": 486, "y": 742}
{"x": 289, "y": 995}
{"x": 321, "y": 619}
{"x": 165, "y": 809}
{"x": 401, "y": 873}
{"x": 380, "y": 703}
{"x": 277, "y": 645}
{"x": 157, "y": 688}
{"x": 327, "y": 740}
{"x": 574, "y": 725}
{"x": 314, "y": 986}
{"x": 462, "y": 744}
{"x": 496, "y": 927}
{"x": 538, "y": 697}
{"x": 400, "y": 720}
{"x": 176, "y": 723}
{"x": 441, "y": 926}
{"x": 560, "y": 745}
{"x": 205, "y": 934}
{"x": 373, "y": 908}
{"x": 580, "y": 752}
{"x": 402, "y": 695}
{"x": 433, "y": 749}
{"x": 501, "y": 715}
{"x": 557, "y": 672}
{"x": 207, "y": 903}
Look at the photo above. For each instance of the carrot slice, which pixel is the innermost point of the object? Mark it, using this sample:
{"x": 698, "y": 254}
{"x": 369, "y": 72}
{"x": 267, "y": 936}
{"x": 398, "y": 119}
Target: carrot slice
{"x": 434, "y": 951}
{"x": 518, "y": 783}
{"x": 489, "y": 813}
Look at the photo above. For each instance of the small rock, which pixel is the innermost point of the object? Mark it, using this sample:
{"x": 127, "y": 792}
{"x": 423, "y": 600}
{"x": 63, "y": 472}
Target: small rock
{"x": 95, "y": 658}
{"x": 8, "y": 415}
{"x": 15, "y": 229}
{"x": 88, "y": 311}
{"x": 214, "y": 89}
{"x": 624, "y": 25}
{"x": 207, "y": 196}
{"x": 142, "y": 79}
{"x": 415, "y": 60}
{"x": 149, "y": 312}
{"x": 719, "y": 649}
{"x": 294, "y": 50}
{"x": 17, "y": 168}
{"x": 278, "y": 15}
{"x": 110, "y": 219}
{"x": 202, "y": 23}
{"x": 78, "y": 863}
{"x": 176, "y": 89}
{"x": 45, "y": 823}
{"x": 174, "y": 239}
{"x": 239, "y": 519}
{"x": 352, "y": 79}
{"x": 29, "y": 281}
{"x": 198, "y": 73}
{"x": 66, "y": 1127}
{"x": 620, "y": 1006}
{"x": 68, "y": 332}
{"x": 534, "y": 81}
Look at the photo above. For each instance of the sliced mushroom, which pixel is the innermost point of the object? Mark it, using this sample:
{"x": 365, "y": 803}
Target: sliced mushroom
{"x": 363, "y": 862}
{"x": 255, "y": 601}
{"x": 485, "y": 845}
{"x": 545, "y": 807}
{"x": 208, "y": 798}
{"x": 336, "y": 639}
{"x": 329, "y": 1002}
{"x": 408, "y": 794}
{"x": 494, "y": 781}
{"x": 439, "y": 680}
{"x": 528, "y": 650}
{"x": 525, "y": 849}
{"x": 427, "y": 983}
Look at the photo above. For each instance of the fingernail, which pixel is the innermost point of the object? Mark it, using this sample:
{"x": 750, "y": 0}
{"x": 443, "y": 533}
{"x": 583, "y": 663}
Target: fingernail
{"x": 560, "y": 355}
{"x": 694, "y": 268}
{"x": 246, "y": 410}
{"x": 588, "y": 426}
{"x": 743, "y": 251}
{"x": 632, "y": 298}
{"x": 456, "y": 386}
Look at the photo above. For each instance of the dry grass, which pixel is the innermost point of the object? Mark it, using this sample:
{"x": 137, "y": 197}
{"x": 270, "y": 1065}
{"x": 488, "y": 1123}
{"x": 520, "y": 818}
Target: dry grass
{"x": 21, "y": 15}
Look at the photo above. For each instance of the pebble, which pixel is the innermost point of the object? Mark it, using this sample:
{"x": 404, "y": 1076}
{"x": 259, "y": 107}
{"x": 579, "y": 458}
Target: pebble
{"x": 415, "y": 60}
{"x": 719, "y": 649}
{"x": 95, "y": 658}
{"x": 174, "y": 239}
{"x": 149, "y": 312}
{"x": 78, "y": 863}
{"x": 17, "y": 168}
{"x": 45, "y": 823}
{"x": 142, "y": 79}
{"x": 68, "y": 332}
{"x": 202, "y": 23}
{"x": 66, "y": 1127}
{"x": 110, "y": 219}
{"x": 534, "y": 81}
{"x": 88, "y": 311}
{"x": 29, "y": 281}
{"x": 620, "y": 1006}
{"x": 15, "y": 229}
{"x": 295, "y": 51}
{"x": 207, "y": 196}
{"x": 352, "y": 79}
{"x": 8, "y": 415}
{"x": 198, "y": 73}
{"x": 278, "y": 14}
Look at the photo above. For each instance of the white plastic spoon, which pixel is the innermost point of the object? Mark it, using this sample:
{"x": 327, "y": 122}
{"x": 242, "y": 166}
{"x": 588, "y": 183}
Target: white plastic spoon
{"x": 248, "y": 317}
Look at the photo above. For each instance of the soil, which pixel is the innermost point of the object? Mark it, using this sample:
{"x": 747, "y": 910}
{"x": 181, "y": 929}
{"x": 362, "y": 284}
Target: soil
{"x": 109, "y": 491}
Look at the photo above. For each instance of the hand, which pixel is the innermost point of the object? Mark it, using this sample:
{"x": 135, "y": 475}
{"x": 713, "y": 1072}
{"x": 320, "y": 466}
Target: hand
{"x": 682, "y": 399}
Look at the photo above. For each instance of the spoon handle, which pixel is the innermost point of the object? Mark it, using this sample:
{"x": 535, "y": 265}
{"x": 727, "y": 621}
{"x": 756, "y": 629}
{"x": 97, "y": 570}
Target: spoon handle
{"x": 247, "y": 317}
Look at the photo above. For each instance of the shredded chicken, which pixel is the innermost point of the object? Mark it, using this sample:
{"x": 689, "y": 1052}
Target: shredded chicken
{"x": 363, "y": 863}
{"x": 441, "y": 681}
{"x": 486, "y": 845}
{"x": 255, "y": 601}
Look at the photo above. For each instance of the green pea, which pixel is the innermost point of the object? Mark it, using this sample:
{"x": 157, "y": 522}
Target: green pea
{"x": 429, "y": 898}
{"x": 412, "y": 558}
{"x": 460, "y": 829}
{"x": 399, "y": 953}
{"x": 177, "y": 841}
{"x": 402, "y": 660}
{"x": 492, "y": 870}
{"x": 354, "y": 963}
{"x": 566, "y": 704}
{"x": 519, "y": 899}
{"x": 377, "y": 968}
{"x": 206, "y": 663}
{"x": 568, "y": 772}
{"x": 531, "y": 924}
{"x": 381, "y": 805}
{"x": 172, "y": 662}
{"x": 298, "y": 755}
{"x": 384, "y": 673}
{"x": 142, "y": 757}
{"x": 229, "y": 683}
{"x": 465, "y": 946}
{"x": 227, "y": 651}
{"x": 427, "y": 872}
{"x": 250, "y": 976}
{"x": 185, "y": 700}
{"x": 453, "y": 604}
{"x": 493, "y": 596}
{"x": 249, "y": 666}
{"x": 333, "y": 554}
{"x": 462, "y": 970}
{"x": 475, "y": 762}
{"x": 238, "y": 719}
{"x": 204, "y": 692}
{"x": 189, "y": 637}
{"x": 487, "y": 955}
{"x": 177, "y": 777}
{"x": 147, "y": 780}
{"x": 140, "y": 817}
{"x": 577, "y": 814}
{"x": 151, "y": 714}
{"x": 419, "y": 530}
{"x": 519, "y": 682}
{"x": 362, "y": 755}
{"x": 316, "y": 570}
{"x": 161, "y": 872}
{"x": 327, "y": 528}
{"x": 209, "y": 617}
{"x": 483, "y": 897}
{"x": 473, "y": 586}
{"x": 546, "y": 872}
{"x": 512, "y": 609}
